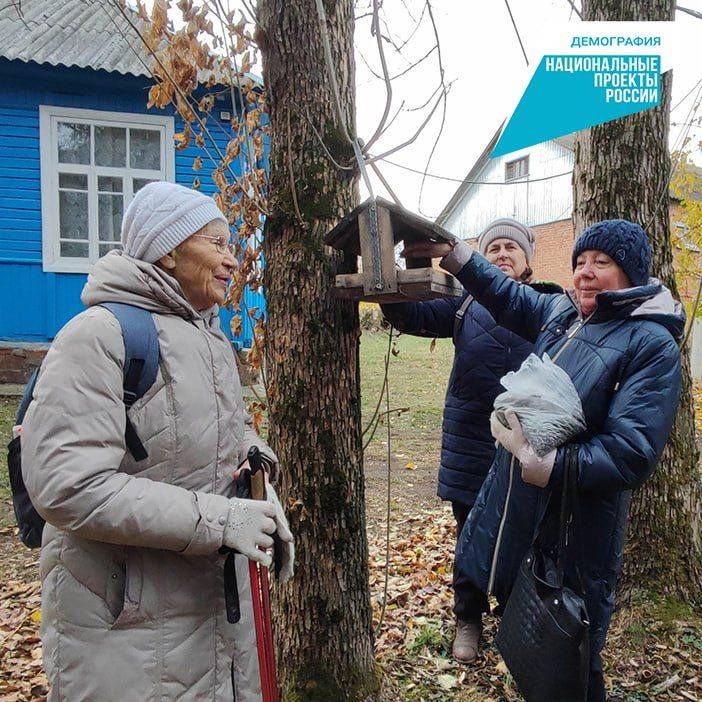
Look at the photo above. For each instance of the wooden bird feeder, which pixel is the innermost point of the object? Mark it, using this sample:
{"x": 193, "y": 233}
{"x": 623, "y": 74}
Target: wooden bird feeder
{"x": 372, "y": 231}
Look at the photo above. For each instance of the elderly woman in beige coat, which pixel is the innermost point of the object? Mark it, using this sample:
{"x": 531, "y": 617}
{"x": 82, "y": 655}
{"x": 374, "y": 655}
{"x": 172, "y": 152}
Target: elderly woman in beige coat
{"x": 132, "y": 583}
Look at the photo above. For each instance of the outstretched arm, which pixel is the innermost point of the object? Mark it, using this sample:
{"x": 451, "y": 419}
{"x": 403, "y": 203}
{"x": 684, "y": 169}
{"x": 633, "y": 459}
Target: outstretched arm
{"x": 514, "y": 306}
{"x": 434, "y": 318}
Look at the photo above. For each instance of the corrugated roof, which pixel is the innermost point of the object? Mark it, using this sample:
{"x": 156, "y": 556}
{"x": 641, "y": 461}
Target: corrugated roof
{"x": 83, "y": 33}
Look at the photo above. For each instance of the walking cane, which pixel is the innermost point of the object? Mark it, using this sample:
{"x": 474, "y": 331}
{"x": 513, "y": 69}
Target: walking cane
{"x": 260, "y": 594}
{"x": 251, "y": 484}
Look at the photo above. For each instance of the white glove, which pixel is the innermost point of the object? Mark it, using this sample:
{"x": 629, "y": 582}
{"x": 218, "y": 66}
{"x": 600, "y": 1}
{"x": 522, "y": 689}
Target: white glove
{"x": 286, "y": 545}
{"x": 249, "y": 526}
{"x": 535, "y": 469}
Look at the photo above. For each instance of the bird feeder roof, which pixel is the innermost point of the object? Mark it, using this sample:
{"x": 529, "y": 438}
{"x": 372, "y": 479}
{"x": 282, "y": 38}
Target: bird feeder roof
{"x": 406, "y": 226}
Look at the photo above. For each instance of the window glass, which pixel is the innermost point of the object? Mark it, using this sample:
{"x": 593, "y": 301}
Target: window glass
{"x": 74, "y": 249}
{"x": 145, "y": 149}
{"x": 139, "y": 183}
{"x": 75, "y": 181}
{"x": 96, "y": 167}
{"x": 73, "y": 142}
{"x": 109, "y": 184}
{"x": 110, "y": 146}
{"x": 73, "y": 215}
{"x": 110, "y": 208}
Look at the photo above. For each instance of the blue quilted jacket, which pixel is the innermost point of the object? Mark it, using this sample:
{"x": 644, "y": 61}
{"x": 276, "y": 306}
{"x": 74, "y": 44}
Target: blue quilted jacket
{"x": 484, "y": 352}
{"x": 625, "y": 365}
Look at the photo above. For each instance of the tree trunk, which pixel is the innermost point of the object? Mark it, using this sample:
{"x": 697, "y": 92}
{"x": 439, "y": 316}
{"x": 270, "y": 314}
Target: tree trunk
{"x": 622, "y": 170}
{"x": 322, "y": 619}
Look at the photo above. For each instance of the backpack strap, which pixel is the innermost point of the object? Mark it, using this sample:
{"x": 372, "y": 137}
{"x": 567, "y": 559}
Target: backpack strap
{"x": 460, "y": 314}
{"x": 141, "y": 356}
{"x": 26, "y": 397}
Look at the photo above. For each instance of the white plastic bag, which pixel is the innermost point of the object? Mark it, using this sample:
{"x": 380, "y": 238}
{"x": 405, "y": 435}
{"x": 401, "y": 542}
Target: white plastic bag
{"x": 543, "y": 397}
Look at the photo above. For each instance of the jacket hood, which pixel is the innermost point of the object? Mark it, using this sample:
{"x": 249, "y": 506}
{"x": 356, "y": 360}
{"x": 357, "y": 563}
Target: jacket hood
{"x": 652, "y": 301}
{"x": 117, "y": 277}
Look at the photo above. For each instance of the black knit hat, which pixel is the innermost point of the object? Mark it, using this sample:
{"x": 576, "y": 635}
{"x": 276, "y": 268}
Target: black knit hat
{"x": 624, "y": 242}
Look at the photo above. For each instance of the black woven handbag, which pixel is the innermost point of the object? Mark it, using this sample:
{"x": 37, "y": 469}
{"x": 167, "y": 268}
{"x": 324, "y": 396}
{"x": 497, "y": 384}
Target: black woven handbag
{"x": 544, "y": 636}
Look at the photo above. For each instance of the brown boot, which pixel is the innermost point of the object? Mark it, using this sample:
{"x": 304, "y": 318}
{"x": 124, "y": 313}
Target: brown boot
{"x": 465, "y": 645}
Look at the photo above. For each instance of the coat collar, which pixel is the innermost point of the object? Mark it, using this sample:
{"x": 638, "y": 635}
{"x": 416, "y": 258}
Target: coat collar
{"x": 652, "y": 301}
{"x": 117, "y": 277}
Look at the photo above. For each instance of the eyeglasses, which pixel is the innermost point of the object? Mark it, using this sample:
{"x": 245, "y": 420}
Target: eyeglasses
{"x": 221, "y": 244}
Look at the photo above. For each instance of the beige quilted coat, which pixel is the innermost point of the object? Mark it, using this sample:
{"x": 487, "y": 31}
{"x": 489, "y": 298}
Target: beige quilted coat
{"x": 132, "y": 595}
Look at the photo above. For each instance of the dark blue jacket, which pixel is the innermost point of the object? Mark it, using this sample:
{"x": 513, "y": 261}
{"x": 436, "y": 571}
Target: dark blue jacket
{"x": 484, "y": 353}
{"x": 625, "y": 365}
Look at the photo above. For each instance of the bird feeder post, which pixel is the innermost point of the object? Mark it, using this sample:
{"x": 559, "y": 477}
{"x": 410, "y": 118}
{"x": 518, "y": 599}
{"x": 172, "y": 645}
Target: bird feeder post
{"x": 377, "y": 251}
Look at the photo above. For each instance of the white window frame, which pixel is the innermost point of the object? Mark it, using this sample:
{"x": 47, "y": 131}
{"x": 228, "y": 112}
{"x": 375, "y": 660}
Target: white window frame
{"x": 49, "y": 116}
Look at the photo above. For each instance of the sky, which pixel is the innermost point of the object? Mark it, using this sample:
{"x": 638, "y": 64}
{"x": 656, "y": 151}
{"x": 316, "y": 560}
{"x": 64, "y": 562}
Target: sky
{"x": 486, "y": 69}
{"x": 482, "y": 56}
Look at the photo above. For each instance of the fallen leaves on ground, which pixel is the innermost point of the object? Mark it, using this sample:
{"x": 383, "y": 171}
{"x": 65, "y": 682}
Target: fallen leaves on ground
{"x": 22, "y": 677}
{"x": 651, "y": 654}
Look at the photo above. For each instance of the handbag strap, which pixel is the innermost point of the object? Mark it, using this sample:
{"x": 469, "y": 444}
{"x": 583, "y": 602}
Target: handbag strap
{"x": 570, "y": 522}
{"x": 569, "y": 544}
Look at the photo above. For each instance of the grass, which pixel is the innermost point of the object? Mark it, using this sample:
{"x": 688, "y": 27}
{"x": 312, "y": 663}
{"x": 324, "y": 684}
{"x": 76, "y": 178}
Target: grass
{"x": 417, "y": 377}
{"x": 8, "y": 409}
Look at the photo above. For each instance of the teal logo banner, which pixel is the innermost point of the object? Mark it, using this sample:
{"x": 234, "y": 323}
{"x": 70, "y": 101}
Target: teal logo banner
{"x": 568, "y": 93}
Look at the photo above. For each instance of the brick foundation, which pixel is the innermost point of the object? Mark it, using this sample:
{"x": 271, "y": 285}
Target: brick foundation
{"x": 18, "y": 363}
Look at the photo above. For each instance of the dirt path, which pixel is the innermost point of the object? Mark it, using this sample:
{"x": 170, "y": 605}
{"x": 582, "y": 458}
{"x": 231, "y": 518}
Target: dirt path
{"x": 412, "y": 488}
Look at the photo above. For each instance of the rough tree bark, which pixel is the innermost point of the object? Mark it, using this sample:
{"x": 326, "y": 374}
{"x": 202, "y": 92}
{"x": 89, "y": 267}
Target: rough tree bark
{"x": 322, "y": 619}
{"x": 622, "y": 170}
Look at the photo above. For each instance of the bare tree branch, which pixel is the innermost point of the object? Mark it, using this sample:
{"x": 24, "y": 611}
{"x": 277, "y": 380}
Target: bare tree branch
{"x": 413, "y": 138}
{"x": 393, "y": 118}
{"x": 324, "y": 146}
{"x": 231, "y": 58}
{"x": 443, "y": 115}
{"x": 574, "y": 9}
{"x": 428, "y": 100}
{"x": 183, "y": 96}
{"x": 388, "y": 84}
{"x": 340, "y": 114}
{"x": 687, "y": 95}
{"x": 688, "y": 11}
{"x": 516, "y": 31}
{"x": 385, "y": 183}
{"x": 403, "y": 72}
{"x": 414, "y": 31}
{"x": 251, "y": 9}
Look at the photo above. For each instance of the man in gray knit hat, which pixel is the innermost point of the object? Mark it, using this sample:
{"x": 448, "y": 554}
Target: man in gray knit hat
{"x": 484, "y": 353}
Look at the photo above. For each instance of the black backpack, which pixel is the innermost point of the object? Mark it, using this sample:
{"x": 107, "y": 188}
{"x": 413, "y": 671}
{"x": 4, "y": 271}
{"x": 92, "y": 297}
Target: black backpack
{"x": 140, "y": 368}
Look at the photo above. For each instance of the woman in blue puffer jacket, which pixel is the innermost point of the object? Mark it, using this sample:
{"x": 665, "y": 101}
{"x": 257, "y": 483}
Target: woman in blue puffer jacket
{"x": 617, "y": 332}
{"x": 484, "y": 352}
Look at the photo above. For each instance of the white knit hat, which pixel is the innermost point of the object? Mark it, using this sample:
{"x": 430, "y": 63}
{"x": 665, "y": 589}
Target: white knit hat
{"x": 163, "y": 215}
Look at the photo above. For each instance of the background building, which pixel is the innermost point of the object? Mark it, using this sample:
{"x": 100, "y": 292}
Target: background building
{"x": 76, "y": 143}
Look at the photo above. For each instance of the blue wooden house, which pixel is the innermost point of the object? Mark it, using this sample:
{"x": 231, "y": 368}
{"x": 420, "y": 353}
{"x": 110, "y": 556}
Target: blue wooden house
{"x": 76, "y": 143}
